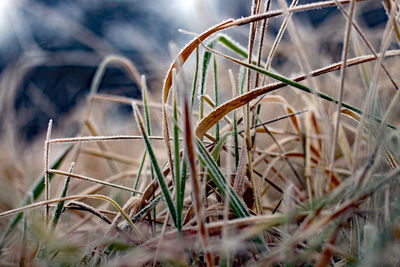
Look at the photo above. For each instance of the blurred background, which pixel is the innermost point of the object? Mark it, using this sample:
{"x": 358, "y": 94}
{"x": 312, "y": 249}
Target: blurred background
{"x": 50, "y": 49}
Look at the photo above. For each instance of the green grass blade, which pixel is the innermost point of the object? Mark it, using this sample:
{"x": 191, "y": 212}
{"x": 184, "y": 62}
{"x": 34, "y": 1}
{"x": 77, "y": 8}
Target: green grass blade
{"x": 232, "y": 45}
{"x": 60, "y": 205}
{"x": 139, "y": 172}
{"x": 216, "y": 175}
{"x": 157, "y": 169}
{"x": 206, "y": 62}
{"x": 196, "y": 74}
{"x": 181, "y": 196}
{"x": 217, "y": 149}
{"x": 177, "y": 157}
{"x": 147, "y": 208}
{"x": 33, "y": 194}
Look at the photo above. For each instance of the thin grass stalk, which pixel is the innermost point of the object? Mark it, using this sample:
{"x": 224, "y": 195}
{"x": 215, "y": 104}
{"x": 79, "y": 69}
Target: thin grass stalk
{"x": 235, "y": 130}
{"x": 94, "y": 87}
{"x": 93, "y": 180}
{"x": 264, "y": 25}
{"x": 246, "y": 112}
{"x": 102, "y": 138}
{"x": 92, "y": 129}
{"x": 278, "y": 37}
{"x": 259, "y": 55}
{"x": 341, "y": 86}
{"x": 109, "y": 155}
{"x": 68, "y": 198}
{"x": 24, "y": 243}
{"x": 307, "y": 158}
{"x": 304, "y": 64}
{"x": 288, "y": 162}
{"x": 367, "y": 43}
{"x": 196, "y": 186}
{"x": 46, "y": 173}
{"x": 383, "y": 47}
{"x": 217, "y": 133}
{"x": 388, "y": 4}
{"x": 157, "y": 169}
{"x": 225, "y": 230}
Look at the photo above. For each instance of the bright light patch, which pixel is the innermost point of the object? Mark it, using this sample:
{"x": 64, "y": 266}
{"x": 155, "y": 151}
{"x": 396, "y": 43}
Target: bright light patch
{"x": 5, "y": 26}
{"x": 186, "y": 7}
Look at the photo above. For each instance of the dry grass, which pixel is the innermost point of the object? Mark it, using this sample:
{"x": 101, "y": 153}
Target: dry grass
{"x": 242, "y": 162}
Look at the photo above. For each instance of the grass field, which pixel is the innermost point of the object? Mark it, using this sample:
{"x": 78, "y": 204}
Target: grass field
{"x": 263, "y": 153}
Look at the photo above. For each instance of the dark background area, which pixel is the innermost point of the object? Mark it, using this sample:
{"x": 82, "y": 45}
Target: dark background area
{"x": 49, "y": 50}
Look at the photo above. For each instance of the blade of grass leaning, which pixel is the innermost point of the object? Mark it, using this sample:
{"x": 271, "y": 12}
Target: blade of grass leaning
{"x": 217, "y": 149}
{"x": 148, "y": 123}
{"x": 196, "y": 186}
{"x": 157, "y": 169}
{"x": 33, "y": 194}
{"x": 246, "y": 112}
{"x": 281, "y": 199}
{"x": 60, "y": 205}
{"x": 147, "y": 208}
{"x": 176, "y": 156}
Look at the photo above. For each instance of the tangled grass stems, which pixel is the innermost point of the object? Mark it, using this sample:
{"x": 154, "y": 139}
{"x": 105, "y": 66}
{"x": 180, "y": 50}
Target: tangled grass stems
{"x": 294, "y": 194}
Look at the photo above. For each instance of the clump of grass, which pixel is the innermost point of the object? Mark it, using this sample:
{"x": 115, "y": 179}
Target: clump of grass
{"x": 300, "y": 190}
